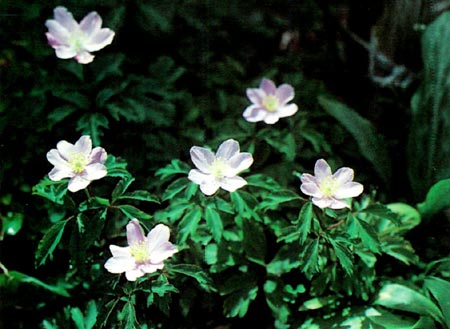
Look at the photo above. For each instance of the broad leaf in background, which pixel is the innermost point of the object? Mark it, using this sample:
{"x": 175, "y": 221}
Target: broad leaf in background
{"x": 440, "y": 289}
{"x": 371, "y": 144}
{"x": 430, "y": 111}
{"x": 437, "y": 199}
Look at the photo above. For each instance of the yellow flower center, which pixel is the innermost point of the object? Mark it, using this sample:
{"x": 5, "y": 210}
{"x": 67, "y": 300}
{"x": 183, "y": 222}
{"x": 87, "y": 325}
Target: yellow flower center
{"x": 271, "y": 103}
{"x": 78, "y": 162}
{"x": 77, "y": 40}
{"x": 140, "y": 252}
{"x": 218, "y": 168}
{"x": 329, "y": 186}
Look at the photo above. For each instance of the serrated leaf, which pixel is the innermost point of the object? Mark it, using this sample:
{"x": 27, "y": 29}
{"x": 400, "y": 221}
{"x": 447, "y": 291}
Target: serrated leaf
{"x": 116, "y": 167}
{"x": 49, "y": 242}
{"x": 175, "y": 187}
{"x": 285, "y": 260}
{"x": 343, "y": 254}
{"x": 92, "y": 124}
{"x": 363, "y": 230}
{"x": 174, "y": 168}
{"x": 188, "y": 225}
{"x": 121, "y": 187}
{"x": 305, "y": 218}
{"x": 24, "y": 278}
{"x": 214, "y": 223}
{"x": 140, "y": 195}
{"x": 273, "y": 200}
{"x": 245, "y": 203}
{"x": 94, "y": 203}
{"x": 133, "y": 212}
{"x": 381, "y": 211}
{"x": 195, "y": 272}
{"x": 310, "y": 257}
{"x": 54, "y": 191}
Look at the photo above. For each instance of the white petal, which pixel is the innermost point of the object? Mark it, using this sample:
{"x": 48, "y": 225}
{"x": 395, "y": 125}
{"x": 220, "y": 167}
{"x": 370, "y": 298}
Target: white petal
{"x": 57, "y": 34}
{"x": 77, "y": 183}
{"x": 91, "y": 23}
{"x": 135, "y": 234}
{"x": 54, "y": 157}
{"x": 231, "y": 184}
{"x": 238, "y": 163}
{"x": 132, "y": 275}
{"x": 209, "y": 188}
{"x": 65, "y": 18}
{"x": 65, "y": 149}
{"x": 158, "y": 244}
{"x": 83, "y": 145}
{"x": 344, "y": 175}
{"x": 57, "y": 174}
{"x": 255, "y": 95}
{"x": 117, "y": 251}
{"x": 84, "y": 57}
{"x": 271, "y": 118}
{"x": 338, "y": 204}
{"x": 202, "y": 158}
{"x": 228, "y": 149}
{"x": 98, "y": 155}
{"x": 119, "y": 264}
{"x": 322, "y": 169}
{"x": 254, "y": 113}
{"x": 95, "y": 171}
{"x": 199, "y": 177}
{"x": 349, "y": 190}
{"x": 99, "y": 40}
{"x": 322, "y": 202}
{"x": 285, "y": 93}
{"x": 287, "y": 111}
{"x": 65, "y": 52}
{"x": 311, "y": 189}
{"x": 150, "y": 268}
{"x": 268, "y": 86}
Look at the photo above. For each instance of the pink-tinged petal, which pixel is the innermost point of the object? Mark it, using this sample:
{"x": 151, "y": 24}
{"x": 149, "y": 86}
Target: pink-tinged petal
{"x": 95, "y": 171}
{"x": 158, "y": 244}
{"x": 202, "y": 158}
{"x": 65, "y": 52}
{"x": 98, "y": 155}
{"x": 91, "y": 23}
{"x": 83, "y": 145}
{"x": 271, "y": 118}
{"x": 134, "y": 274}
{"x": 321, "y": 169}
{"x": 65, "y": 149}
{"x": 307, "y": 178}
{"x": 344, "y": 175}
{"x": 119, "y": 264}
{"x": 239, "y": 163}
{"x": 338, "y": 204}
{"x": 322, "y": 202}
{"x": 228, "y": 149}
{"x": 311, "y": 189}
{"x": 99, "y": 40}
{"x": 268, "y": 86}
{"x": 255, "y": 95}
{"x": 254, "y": 113}
{"x": 150, "y": 268}
{"x": 209, "y": 188}
{"x": 287, "y": 111}
{"x": 65, "y": 18}
{"x": 135, "y": 234}
{"x": 231, "y": 184}
{"x": 349, "y": 190}
{"x": 77, "y": 183}
{"x": 198, "y": 177}
{"x": 54, "y": 157}
{"x": 117, "y": 251}
{"x": 57, "y": 174}
{"x": 285, "y": 93}
{"x": 84, "y": 57}
{"x": 57, "y": 34}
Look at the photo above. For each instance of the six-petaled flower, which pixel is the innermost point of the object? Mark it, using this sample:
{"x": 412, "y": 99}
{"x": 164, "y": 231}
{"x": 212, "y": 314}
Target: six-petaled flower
{"x": 144, "y": 254}
{"x": 329, "y": 190}
{"x": 219, "y": 170}
{"x": 73, "y": 40}
{"x": 78, "y": 161}
{"x": 269, "y": 102}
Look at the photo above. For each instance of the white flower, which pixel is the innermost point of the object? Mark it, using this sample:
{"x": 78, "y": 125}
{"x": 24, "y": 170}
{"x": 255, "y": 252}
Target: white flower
{"x": 79, "y": 162}
{"x": 70, "y": 39}
{"x": 144, "y": 254}
{"x": 219, "y": 170}
{"x": 269, "y": 102}
{"x": 328, "y": 190}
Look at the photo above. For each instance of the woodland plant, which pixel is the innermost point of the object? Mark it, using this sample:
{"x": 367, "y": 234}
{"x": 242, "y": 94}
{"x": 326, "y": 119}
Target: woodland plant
{"x": 158, "y": 233}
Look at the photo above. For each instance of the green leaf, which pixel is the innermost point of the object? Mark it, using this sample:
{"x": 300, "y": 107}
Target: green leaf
{"x": 188, "y": 225}
{"x": 11, "y": 223}
{"x": 409, "y": 216}
{"x": 440, "y": 289}
{"x": 310, "y": 257}
{"x": 94, "y": 203}
{"x": 92, "y": 124}
{"x": 214, "y": 223}
{"x": 77, "y": 317}
{"x": 53, "y": 191}
{"x": 359, "y": 228}
{"x": 371, "y": 144}
{"x": 133, "y": 212}
{"x": 15, "y": 276}
{"x": 121, "y": 187}
{"x": 241, "y": 289}
{"x": 128, "y": 314}
{"x": 285, "y": 260}
{"x": 174, "y": 168}
{"x": 244, "y": 203}
{"x": 389, "y": 320}
{"x": 175, "y": 187}
{"x": 140, "y": 195}
{"x": 116, "y": 167}
{"x": 381, "y": 211}
{"x": 196, "y": 273}
{"x": 272, "y": 200}
{"x": 255, "y": 244}
{"x": 305, "y": 218}
{"x": 436, "y": 200}
{"x": 430, "y": 111}
{"x": 402, "y": 298}
{"x": 399, "y": 248}
{"x": 316, "y": 303}
{"x": 49, "y": 242}
{"x": 343, "y": 254}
